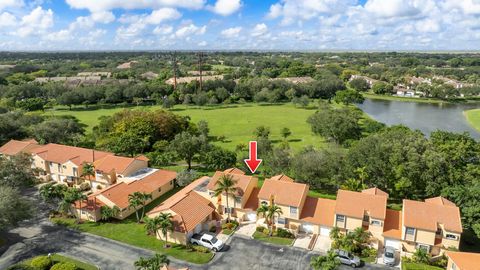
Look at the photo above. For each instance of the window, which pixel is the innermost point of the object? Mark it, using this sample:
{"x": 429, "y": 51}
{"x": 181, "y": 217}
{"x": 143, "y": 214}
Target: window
{"x": 340, "y": 218}
{"x": 64, "y": 166}
{"x": 293, "y": 210}
{"x": 281, "y": 221}
{"x": 229, "y": 210}
{"x": 454, "y": 266}
{"x": 376, "y": 222}
{"x": 451, "y": 236}
{"x": 410, "y": 231}
{"x": 424, "y": 247}
{"x": 238, "y": 200}
{"x": 211, "y": 193}
{"x": 264, "y": 203}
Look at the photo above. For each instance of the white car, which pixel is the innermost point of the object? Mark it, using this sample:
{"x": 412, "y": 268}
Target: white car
{"x": 207, "y": 240}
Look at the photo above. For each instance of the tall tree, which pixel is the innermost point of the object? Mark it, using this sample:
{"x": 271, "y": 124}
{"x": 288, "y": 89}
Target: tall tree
{"x": 187, "y": 146}
{"x": 226, "y": 184}
{"x": 165, "y": 225}
{"x": 13, "y": 207}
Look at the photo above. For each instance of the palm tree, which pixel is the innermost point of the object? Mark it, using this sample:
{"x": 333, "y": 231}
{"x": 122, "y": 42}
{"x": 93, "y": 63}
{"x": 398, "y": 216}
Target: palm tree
{"x": 153, "y": 263}
{"x": 88, "y": 170}
{"x": 165, "y": 225}
{"x": 269, "y": 213}
{"x": 226, "y": 184}
{"x": 108, "y": 212}
{"x": 144, "y": 197}
{"x": 134, "y": 201}
{"x": 151, "y": 225}
{"x": 327, "y": 262}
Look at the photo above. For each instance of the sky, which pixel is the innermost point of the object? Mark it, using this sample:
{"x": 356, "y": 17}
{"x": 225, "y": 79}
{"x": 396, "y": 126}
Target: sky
{"x": 298, "y": 25}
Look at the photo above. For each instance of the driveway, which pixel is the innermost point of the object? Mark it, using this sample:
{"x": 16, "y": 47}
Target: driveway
{"x": 247, "y": 229}
{"x": 323, "y": 244}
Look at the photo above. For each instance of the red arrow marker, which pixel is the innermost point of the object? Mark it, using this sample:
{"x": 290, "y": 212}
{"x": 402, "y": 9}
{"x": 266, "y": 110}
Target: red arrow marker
{"x": 252, "y": 162}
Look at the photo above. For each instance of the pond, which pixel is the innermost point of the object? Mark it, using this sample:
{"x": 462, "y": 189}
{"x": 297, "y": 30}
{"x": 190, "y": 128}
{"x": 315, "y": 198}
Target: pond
{"x": 426, "y": 117}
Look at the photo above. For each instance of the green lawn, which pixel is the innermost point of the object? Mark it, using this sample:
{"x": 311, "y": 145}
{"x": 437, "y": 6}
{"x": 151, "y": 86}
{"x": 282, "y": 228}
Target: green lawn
{"x": 235, "y": 122}
{"x": 473, "y": 118}
{"x": 59, "y": 258}
{"x": 130, "y": 232}
{"x": 273, "y": 239}
{"x": 418, "y": 266}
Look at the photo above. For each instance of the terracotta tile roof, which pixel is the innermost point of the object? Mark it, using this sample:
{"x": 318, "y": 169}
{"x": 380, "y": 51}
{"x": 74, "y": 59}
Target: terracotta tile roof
{"x": 242, "y": 181}
{"x": 175, "y": 198}
{"x": 318, "y": 211}
{"x": 465, "y": 260}
{"x": 90, "y": 203}
{"x": 252, "y": 202}
{"x": 281, "y": 177}
{"x": 114, "y": 163}
{"x": 440, "y": 201}
{"x": 427, "y": 215}
{"x": 192, "y": 210}
{"x": 284, "y": 192}
{"x": 355, "y": 204}
{"x": 392, "y": 227}
{"x": 118, "y": 193}
{"x": 14, "y": 147}
{"x": 375, "y": 191}
{"x": 62, "y": 153}
{"x": 234, "y": 171}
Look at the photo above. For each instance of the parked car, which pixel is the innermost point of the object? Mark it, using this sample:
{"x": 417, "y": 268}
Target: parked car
{"x": 389, "y": 256}
{"x": 207, "y": 240}
{"x": 347, "y": 258}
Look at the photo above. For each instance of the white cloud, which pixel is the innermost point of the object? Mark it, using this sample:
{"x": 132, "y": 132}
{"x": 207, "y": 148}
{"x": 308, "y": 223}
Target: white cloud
{"x": 36, "y": 22}
{"x": 102, "y": 5}
{"x": 103, "y": 17}
{"x": 393, "y": 8}
{"x": 293, "y": 10}
{"x": 131, "y": 31}
{"x": 160, "y": 15}
{"x": 428, "y": 26}
{"x": 466, "y": 6}
{"x": 163, "y": 30}
{"x": 226, "y": 7}
{"x": 231, "y": 32}
{"x": 7, "y": 19}
{"x": 259, "y": 30}
{"x": 189, "y": 30}
{"x": 61, "y": 36}
{"x": 4, "y": 4}
{"x": 202, "y": 43}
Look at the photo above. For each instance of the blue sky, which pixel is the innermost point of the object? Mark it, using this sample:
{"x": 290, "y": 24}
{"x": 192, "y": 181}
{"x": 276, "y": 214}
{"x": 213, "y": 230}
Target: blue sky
{"x": 240, "y": 25}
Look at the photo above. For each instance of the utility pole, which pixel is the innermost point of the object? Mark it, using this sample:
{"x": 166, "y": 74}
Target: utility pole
{"x": 200, "y": 62}
{"x": 174, "y": 66}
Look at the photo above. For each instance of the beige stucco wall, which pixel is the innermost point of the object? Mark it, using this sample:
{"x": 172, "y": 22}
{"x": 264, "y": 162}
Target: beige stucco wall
{"x": 248, "y": 191}
{"x": 173, "y": 237}
{"x": 376, "y": 230}
{"x": 425, "y": 237}
{"x": 351, "y": 223}
{"x": 89, "y": 215}
{"x": 449, "y": 265}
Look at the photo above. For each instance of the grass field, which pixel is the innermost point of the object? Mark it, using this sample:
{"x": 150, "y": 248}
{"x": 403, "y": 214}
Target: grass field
{"x": 235, "y": 122}
{"x": 473, "y": 118}
{"x": 273, "y": 239}
{"x": 418, "y": 266}
{"x": 130, "y": 232}
{"x": 59, "y": 258}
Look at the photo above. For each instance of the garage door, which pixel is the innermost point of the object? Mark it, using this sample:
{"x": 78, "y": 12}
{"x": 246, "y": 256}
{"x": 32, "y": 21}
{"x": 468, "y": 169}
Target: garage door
{"x": 324, "y": 231}
{"x": 392, "y": 243}
{"x": 252, "y": 216}
{"x": 308, "y": 228}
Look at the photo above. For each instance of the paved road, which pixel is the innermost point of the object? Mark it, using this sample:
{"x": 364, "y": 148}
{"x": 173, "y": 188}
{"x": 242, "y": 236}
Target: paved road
{"x": 39, "y": 236}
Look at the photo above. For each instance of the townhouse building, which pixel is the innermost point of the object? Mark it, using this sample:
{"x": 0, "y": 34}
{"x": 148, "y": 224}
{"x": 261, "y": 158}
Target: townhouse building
{"x": 463, "y": 260}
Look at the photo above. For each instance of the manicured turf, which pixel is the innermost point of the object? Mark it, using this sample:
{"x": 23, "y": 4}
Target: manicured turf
{"x": 473, "y": 118}
{"x": 59, "y": 258}
{"x": 273, "y": 239}
{"x": 418, "y": 266}
{"x": 130, "y": 232}
{"x": 235, "y": 122}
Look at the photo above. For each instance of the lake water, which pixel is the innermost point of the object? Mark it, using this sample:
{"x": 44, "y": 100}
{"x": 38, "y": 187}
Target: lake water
{"x": 426, "y": 117}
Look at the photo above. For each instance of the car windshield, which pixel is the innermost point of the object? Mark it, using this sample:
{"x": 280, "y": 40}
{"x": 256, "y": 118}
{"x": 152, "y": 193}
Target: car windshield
{"x": 388, "y": 254}
{"x": 214, "y": 240}
{"x": 351, "y": 257}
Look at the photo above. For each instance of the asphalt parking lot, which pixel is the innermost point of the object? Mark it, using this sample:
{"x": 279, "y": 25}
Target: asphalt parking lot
{"x": 243, "y": 253}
